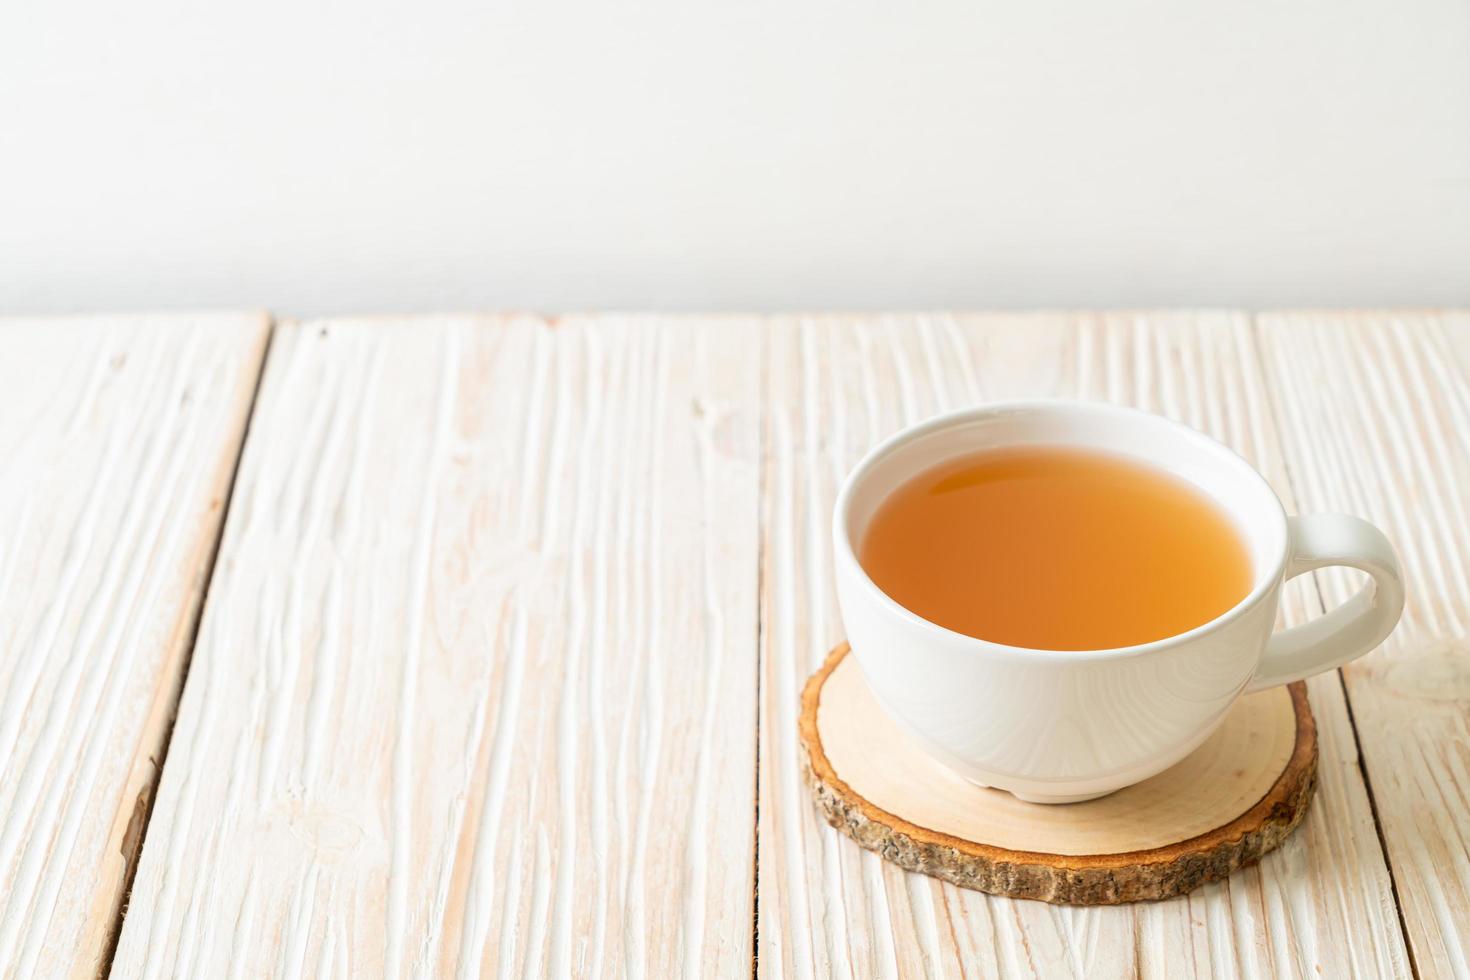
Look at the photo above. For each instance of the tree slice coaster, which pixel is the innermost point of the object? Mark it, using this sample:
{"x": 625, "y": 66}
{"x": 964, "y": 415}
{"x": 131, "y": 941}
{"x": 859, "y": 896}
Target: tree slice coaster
{"x": 1230, "y": 801}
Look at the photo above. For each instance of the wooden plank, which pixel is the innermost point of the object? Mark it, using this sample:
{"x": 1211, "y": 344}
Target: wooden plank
{"x": 1320, "y": 906}
{"x": 118, "y": 440}
{"x": 475, "y": 685}
{"x": 1375, "y": 411}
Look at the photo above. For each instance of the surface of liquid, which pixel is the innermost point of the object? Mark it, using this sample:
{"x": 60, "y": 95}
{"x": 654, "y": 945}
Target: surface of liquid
{"x": 1056, "y": 549}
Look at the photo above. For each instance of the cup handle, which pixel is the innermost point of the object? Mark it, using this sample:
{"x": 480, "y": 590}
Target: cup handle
{"x": 1353, "y": 628}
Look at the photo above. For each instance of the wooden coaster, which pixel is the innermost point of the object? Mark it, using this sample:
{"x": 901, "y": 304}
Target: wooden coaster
{"x": 1230, "y": 801}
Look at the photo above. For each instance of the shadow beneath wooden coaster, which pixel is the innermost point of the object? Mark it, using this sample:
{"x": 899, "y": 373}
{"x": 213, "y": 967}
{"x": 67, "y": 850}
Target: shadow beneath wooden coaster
{"x": 1230, "y": 801}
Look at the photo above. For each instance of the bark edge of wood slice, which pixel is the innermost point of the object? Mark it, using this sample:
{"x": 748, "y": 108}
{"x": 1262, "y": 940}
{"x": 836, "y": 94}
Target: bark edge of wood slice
{"x": 1143, "y": 843}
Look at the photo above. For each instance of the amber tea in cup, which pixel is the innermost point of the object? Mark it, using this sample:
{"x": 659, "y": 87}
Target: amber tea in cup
{"x": 1060, "y": 599}
{"x": 1056, "y": 548}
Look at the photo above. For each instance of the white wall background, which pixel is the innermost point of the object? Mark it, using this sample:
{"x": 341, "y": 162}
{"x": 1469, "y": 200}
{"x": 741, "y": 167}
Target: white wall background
{"x": 360, "y": 155}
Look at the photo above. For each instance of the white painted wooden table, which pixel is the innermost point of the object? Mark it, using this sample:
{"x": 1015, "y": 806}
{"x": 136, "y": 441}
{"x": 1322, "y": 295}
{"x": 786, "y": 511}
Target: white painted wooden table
{"x": 496, "y": 666}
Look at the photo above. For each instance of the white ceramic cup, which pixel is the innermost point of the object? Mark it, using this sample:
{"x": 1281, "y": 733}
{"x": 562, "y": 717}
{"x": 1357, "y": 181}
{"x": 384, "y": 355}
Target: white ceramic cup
{"x": 1061, "y": 726}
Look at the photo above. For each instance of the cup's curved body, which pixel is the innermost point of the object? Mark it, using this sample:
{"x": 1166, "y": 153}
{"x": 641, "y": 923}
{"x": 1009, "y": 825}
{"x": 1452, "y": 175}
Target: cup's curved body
{"x": 1058, "y": 726}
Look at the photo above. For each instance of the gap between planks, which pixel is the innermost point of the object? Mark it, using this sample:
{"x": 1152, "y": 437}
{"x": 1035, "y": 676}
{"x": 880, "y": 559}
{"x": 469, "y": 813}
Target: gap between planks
{"x": 763, "y": 454}
{"x": 1273, "y": 413}
{"x": 150, "y": 792}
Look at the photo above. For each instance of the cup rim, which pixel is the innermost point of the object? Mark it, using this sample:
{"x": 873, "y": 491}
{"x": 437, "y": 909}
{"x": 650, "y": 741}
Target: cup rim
{"x": 845, "y": 552}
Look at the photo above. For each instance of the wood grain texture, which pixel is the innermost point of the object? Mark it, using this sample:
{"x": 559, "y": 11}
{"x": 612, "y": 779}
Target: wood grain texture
{"x": 118, "y": 439}
{"x": 1319, "y": 906}
{"x": 1230, "y": 801}
{"x": 1375, "y": 411}
{"x": 475, "y": 686}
